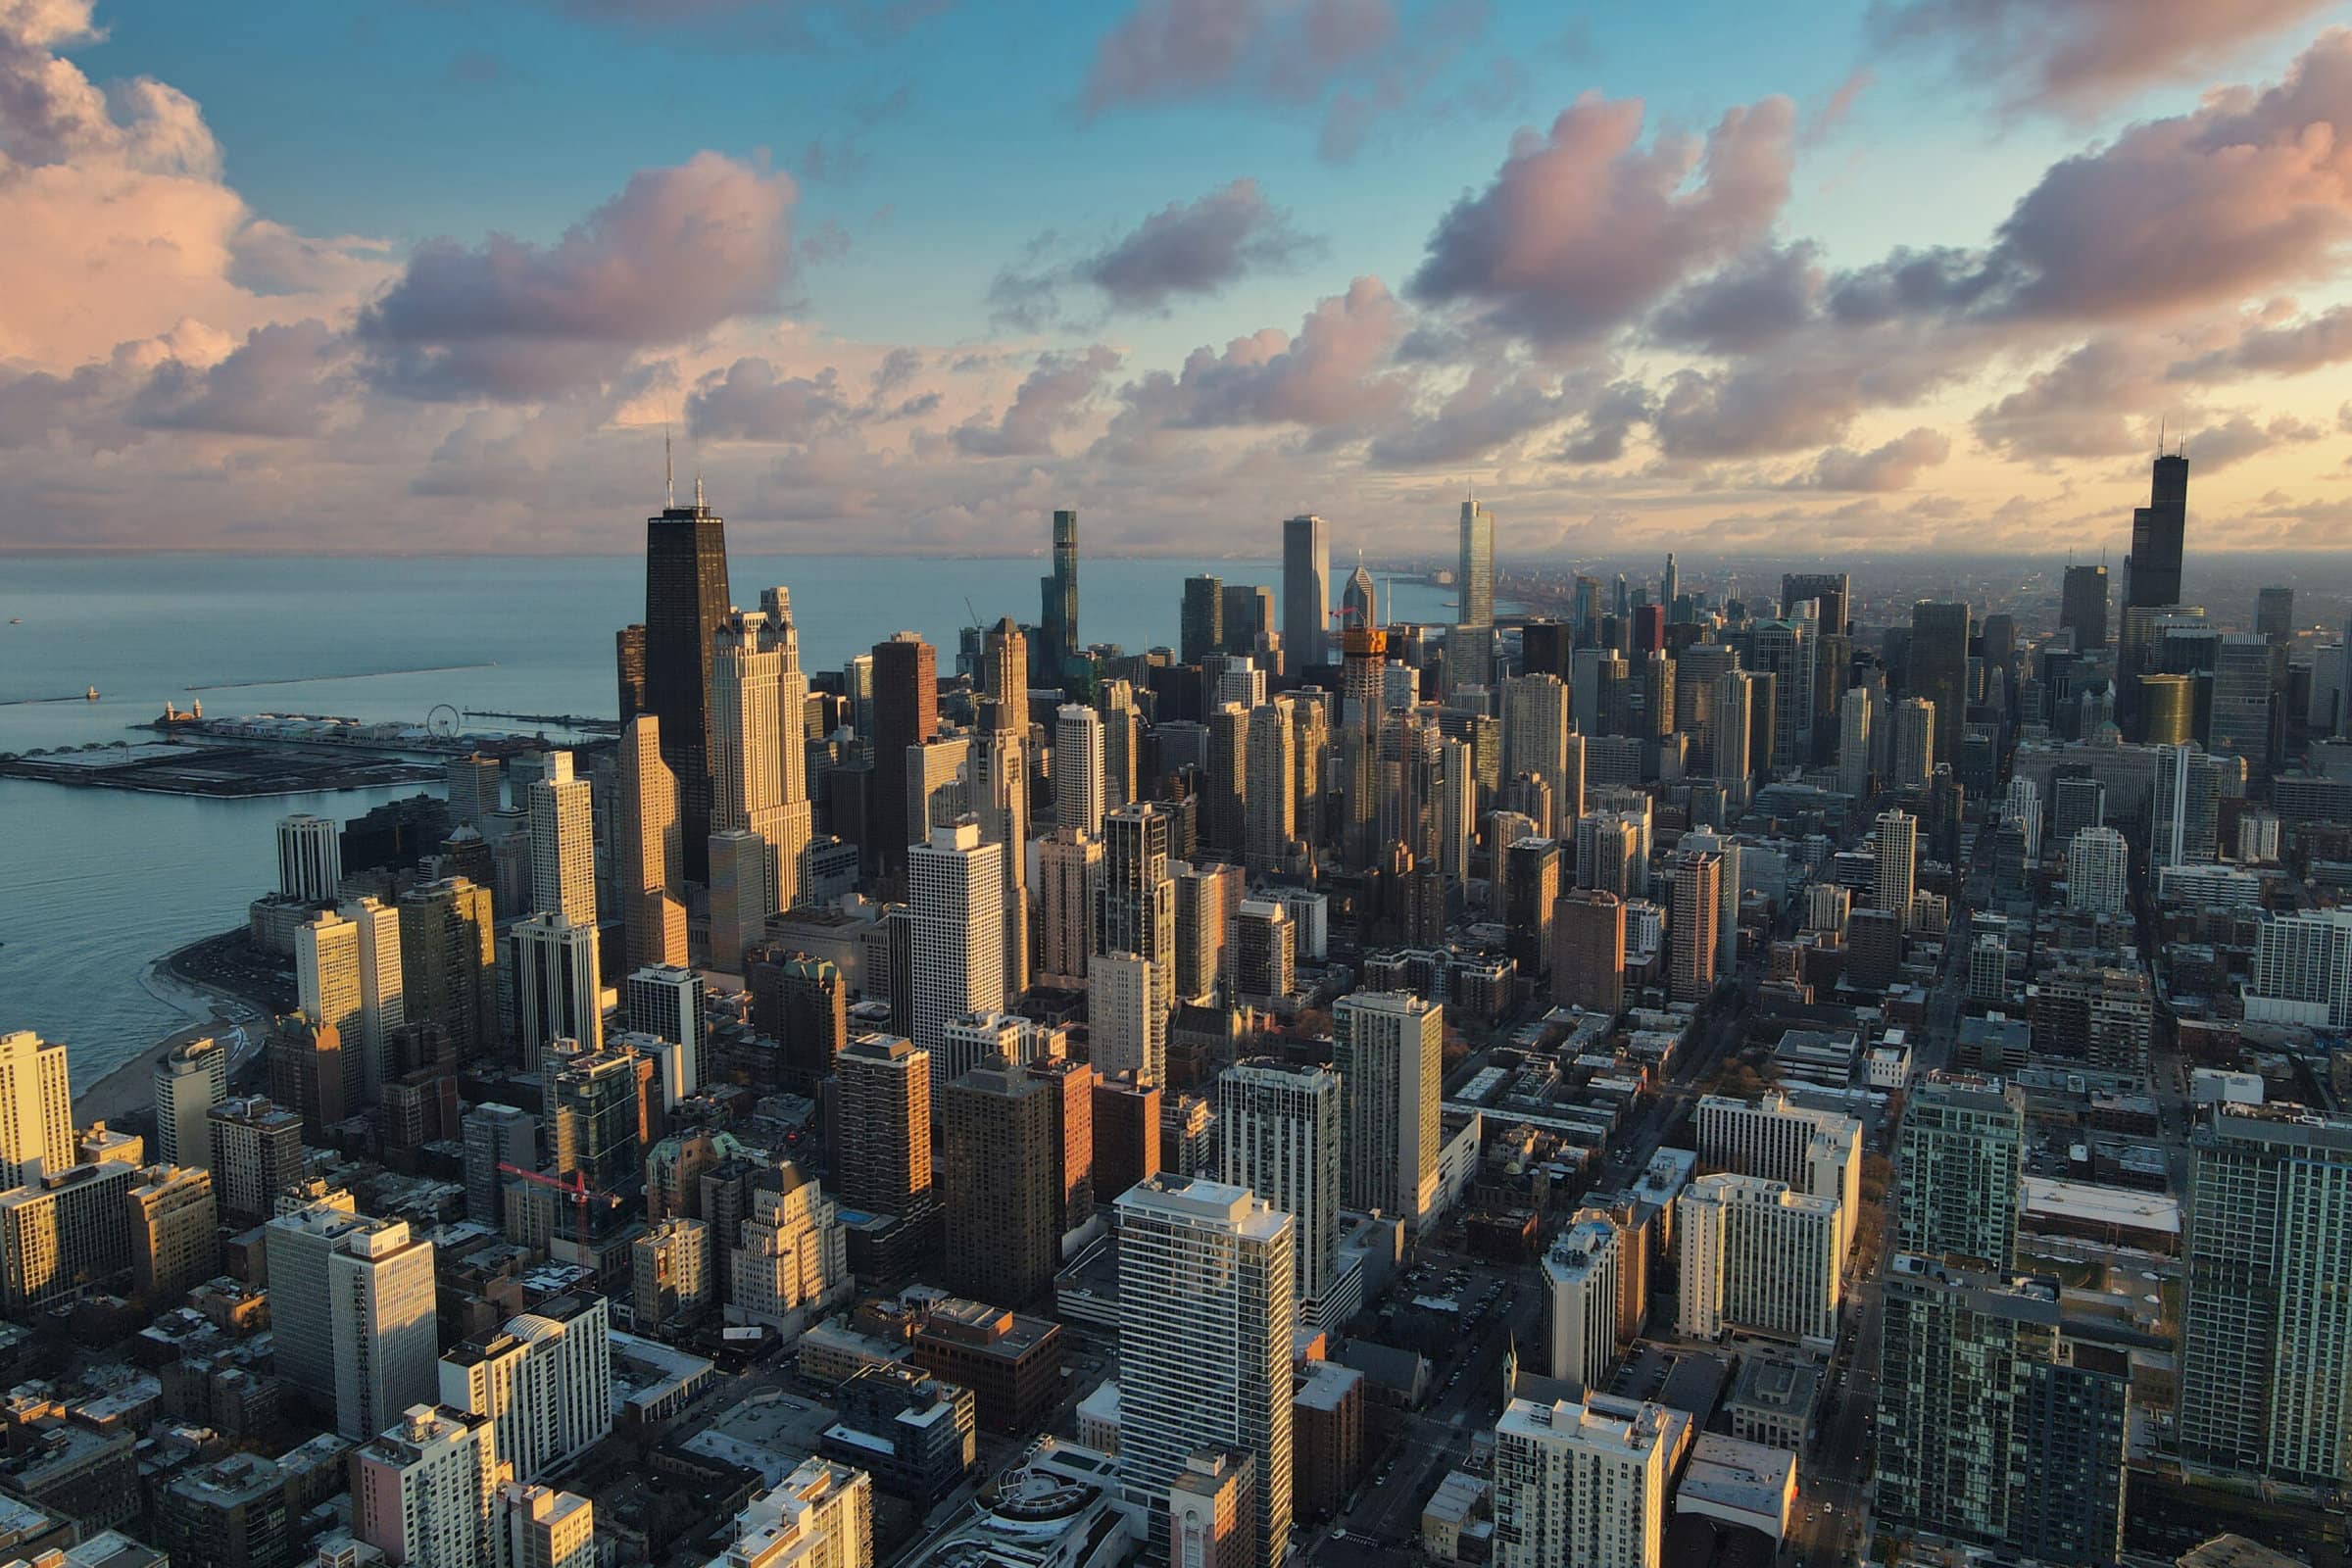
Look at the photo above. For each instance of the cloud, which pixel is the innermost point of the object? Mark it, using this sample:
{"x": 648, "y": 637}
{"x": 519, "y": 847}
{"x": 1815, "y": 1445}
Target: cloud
{"x": 1334, "y": 374}
{"x": 2216, "y": 447}
{"x": 1895, "y": 466}
{"x": 2076, "y": 56}
{"x": 751, "y": 401}
{"x": 119, "y": 226}
{"x": 1490, "y": 410}
{"x": 1170, "y": 50}
{"x": 1048, "y": 403}
{"x": 271, "y": 385}
{"x": 1184, "y": 249}
{"x": 1760, "y": 298}
{"x": 1582, "y": 229}
{"x": 678, "y": 251}
{"x": 2291, "y": 350}
{"x": 1601, "y": 435}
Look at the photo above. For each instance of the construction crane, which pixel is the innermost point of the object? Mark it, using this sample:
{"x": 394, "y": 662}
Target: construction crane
{"x": 578, "y": 1194}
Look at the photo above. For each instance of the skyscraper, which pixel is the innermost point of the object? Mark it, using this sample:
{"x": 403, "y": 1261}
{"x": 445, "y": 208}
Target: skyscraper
{"x": 1695, "y": 925}
{"x": 188, "y": 1081}
{"x": 1305, "y": 590}
{"x": 792, "y": 824}
{"x": 562, "y": 826}
{"x": 422, "y": 1486}
{"x": 1998, "y": 1425}
{"x": 2083, "y": 607}
{"x": 449, "y": 963}
{"x": 649, "y": 853}
{"x": 1912, "y": 752}
{"x": 36, "y": 1110}
{"x": 1474, "y": 582}
{"x": 1898, "y": 864}
{"x": 1755, "y": 1253}
{"x": 1583, "y": 1484}
{"x": 1278, "y": 1135}
{"x": 685, "y": 601}
{"x": 2152, "y": 570}
{"x": 955, "y": 896}
{"x": 1078, "y": 772}
{"x": 2265, "y": 1374}
{"x": 545, "y": 1381}
{"x": 1205, "y": 1319}
{"x": 1939, "y": 670}
{"x": 2249, "y": 675}
{"x": 906, "y": 714}
{"x": 1535, "y": 740}
{"x": 1960, "y": 1155}
{"x": 1587, "y": 967}
{"x": 326, "y": 984}
{"x": 558, "y": 992}
{"x": 997, "y": 1178}
{"x": 1057, "y": 625}
{"x": 2275, "y": 614}
{"x": 1389, "y": 1049}
{"x": 1135, "y": 911}
{"x": 351, "y": 1301}
{"x": 1004, "y": 677}
{"x": 1269, "y": 798}
{"x": 1201, "y": 629}
{"x": 383, "y": 1007}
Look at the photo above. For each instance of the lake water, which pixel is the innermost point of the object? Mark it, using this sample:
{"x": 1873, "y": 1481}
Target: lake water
{"x": 95, "y": 884}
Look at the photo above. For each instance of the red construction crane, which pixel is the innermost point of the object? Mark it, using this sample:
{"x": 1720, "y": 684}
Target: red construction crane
{"x": 575, "y": 1189}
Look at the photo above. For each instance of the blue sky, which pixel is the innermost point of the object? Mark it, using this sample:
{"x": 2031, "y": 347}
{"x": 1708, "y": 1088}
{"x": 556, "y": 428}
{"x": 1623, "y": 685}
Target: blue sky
{"x": 936, "y": 147}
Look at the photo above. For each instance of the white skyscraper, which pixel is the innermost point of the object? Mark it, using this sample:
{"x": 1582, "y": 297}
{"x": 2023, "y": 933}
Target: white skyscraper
{"x": 1581, "y": 1274}
{"x": 1078, "y": 768}
{"x": 2098, "y": 871}
{"x": 1725, "y": 850}
{"x": 1206, "y": 1318}
{"x": 189, "y": 1081}
{"x": 954, "y": 893}
{"x": 545, "y": 1381}
{"x": 1898, "y": 862}
{"x": 421, "y": 1489}
{"x": 1473, "y": 583}
{"x": 381, "y": 1307}
{"x": 1756, "y": 1256}
{"x": 1278, "y": 1134}
{"x": 1580, "y": 1483}
{"x": 819, "y": 1516}
{"x": 563, "y": 843}
{"x": 667, "y": 1003}
{"x": 2302, "y": 971}
{"x": 1389, "y": 1048}
{"x": 1914, "y": 757}
{"x": 310, "y": 859}
{"x": 36, "y": 1110}
{"x": 1818, "y": 1153}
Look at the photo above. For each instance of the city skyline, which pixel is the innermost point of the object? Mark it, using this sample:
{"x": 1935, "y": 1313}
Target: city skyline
{"x": 1383, "y": 259}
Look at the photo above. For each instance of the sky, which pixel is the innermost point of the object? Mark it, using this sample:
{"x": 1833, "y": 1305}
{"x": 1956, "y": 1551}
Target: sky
{"x": 903, "y": 276}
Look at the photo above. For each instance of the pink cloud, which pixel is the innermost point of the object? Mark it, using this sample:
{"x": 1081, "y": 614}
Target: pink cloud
{"x": 1584, "y": 228}
{"x": 676, "y": 253}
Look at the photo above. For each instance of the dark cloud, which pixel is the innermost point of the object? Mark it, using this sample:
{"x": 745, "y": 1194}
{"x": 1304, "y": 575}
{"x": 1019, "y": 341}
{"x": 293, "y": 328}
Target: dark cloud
{"x": 1759, "y": 409}
{"x": 1600, "y": 436}
{"x": 2077, "y": 55}
{"x": 1186, "y": 248}
{"x": 749, "y": 401}
{"x": 2089, "y": 404}
{"x": 2299, "y": 346}
{"x": 1048, "y": 403}
{"x": 2216, "y": 447}
{"x": 1487, "y": 411}
{"x": 1760, "y": 298}
{"x": 1895, "y": 466}
{"x": 1584, "y": 229}
{"x": 675, "y": 254}
{"x": 273, "y": 384}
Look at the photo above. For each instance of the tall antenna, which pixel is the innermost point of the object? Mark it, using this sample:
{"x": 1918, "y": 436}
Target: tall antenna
{"x": 698, "y": 489}
{"x": 2160, "y": 423}
{"x": 669, "y": 472}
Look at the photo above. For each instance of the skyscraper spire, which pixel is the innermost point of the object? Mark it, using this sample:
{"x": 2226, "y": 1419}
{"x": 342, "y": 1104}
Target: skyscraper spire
{"x": 669, "y": 474}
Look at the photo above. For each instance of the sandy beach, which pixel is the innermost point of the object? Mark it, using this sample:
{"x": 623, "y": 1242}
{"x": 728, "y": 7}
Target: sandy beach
{"x": 129, "y": 1089}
